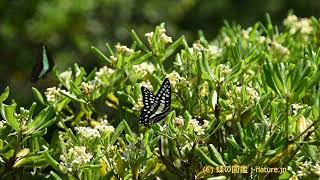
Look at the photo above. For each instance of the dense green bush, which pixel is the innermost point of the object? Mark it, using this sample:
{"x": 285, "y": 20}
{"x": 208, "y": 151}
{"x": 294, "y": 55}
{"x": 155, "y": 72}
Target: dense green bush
{"x": 250, "y": 98}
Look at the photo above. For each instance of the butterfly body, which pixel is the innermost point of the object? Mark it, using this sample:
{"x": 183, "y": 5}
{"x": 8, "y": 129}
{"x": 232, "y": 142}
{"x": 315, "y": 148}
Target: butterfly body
{"x": 43, "y": 66}
{"x": 156, "y": 107}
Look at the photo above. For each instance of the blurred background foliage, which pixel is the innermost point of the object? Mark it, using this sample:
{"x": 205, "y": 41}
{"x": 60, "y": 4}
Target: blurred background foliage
{"x": 69, "y": 28}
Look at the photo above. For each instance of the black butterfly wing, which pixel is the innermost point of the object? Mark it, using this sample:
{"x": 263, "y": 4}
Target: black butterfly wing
{"x": 155, "y": 107}
{"x": 148, "y": 101}
{"x": 43, "y": 65}
{"x": 162, "y": 102}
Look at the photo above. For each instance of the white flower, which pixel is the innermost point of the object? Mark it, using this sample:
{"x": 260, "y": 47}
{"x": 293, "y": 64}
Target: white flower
{"x": 214, "y": 50}
{"x": 224, "y": 71}
{"x": 316, "y": 169}
{"x": 290, "y": 20}
{"x": 204, "y": 89}
{"x": 253, "y": 94}
{"x": 124, "y": 50}
{"x": 104, "y": 72}
{"x": 165, "y": 39}
{"x": 206, "y": 124}
{"x": 138, "y": 105}
{"x": 179, "y": 121}
{"x": 149, "y": 36}
{"x": 245, "y": 33}
{"x": 66, "y": 76}
{"x": 52, "y": 94}
{"x": 303, "y": 25}
{"x": 146, "y": 85}
{"x": 2, "y": 124}
{"x": 88, "y": 132}
{"x": 296, "y": 108}
{"x": 87, "y": 88}
{"x": 194, "y": 124}
{"x": 278, "y": 48}
{"x": 197, "y": 47}
{"x": 75, "y": 158}
{"x": 261, "y": 39}
{"x": 226, "y": 40}
{"x": 113, "y": 59}
{"x": 144, "y": 68}
{"x": 174, "y": 78}
{"x": 104, "y": 127}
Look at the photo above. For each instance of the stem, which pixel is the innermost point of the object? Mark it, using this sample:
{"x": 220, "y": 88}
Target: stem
{"x": 287, "y": 120}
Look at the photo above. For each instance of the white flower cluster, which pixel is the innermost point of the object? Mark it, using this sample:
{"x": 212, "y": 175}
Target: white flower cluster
{"x": 162, "y": 36}
{"x": 226, "y": 41}
{"x": 66, "y": 76}
{"x": 308, "y": 168}
{"x": 88, "y": 132}
{"x": 224, "y": 71}
{"x": 250, "y": 91}
{"x": 124, "y": 50}
{"x": 214, "y": 50}
{"x": 105, "y": 128}
{"x": 194, "y": 124}
{"x": 178, "y": 121}
{"x": 2, "y": 124}
{"x": 197, "y": 48}
{"x": 23, "y": 116}
{"x": 52, "y": 94}
{"x": 175, "y": 78}
{"x": 138, "y": 105}
{"x": 245, "y": 33}
{"x": 113, "y": 59}
{"x": 296, "y": 108}
{"x": 104, "y": 72}
{"x": 147, "y": 85}
{"x": 75, "y": 158}
{"x": 296, "y": 25}
{"x": 277, "y": 48}
{"x": 204, "y": 89}
{"x": 88, "y": 87}
{"x": 144, "y": 68}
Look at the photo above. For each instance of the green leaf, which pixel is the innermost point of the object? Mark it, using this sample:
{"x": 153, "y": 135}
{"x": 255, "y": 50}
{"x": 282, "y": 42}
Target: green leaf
{"x": 4, "y": 94}
{"x": 31, "y": 161}
{"x": 71, "y": 96}
{"x": 52, "y": 162}
{"x": 79, "y": 73}
{"x": 233, "y": 142}
{"x": 127, "y": 129}
{"x": 142, "y": 58}
{"x": 215, "y": 155}
{"x": 173, "y": 47}
{"x": 139, "y": 42}
{"x": 7, "y": 112}
{"x": 117, "y": 133}
{"x": 100, "y": 55}
{"x": 55, "y": 176}
{"x": 45, "y": 116}
{"x": 205, "y": 158}
{"x": 38, "y": 95}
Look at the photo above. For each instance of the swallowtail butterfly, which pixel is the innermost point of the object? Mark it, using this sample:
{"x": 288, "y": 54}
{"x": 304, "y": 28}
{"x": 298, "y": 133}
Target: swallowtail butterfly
{"x": 43, "y": 66}
{"x": 156, "y": 107}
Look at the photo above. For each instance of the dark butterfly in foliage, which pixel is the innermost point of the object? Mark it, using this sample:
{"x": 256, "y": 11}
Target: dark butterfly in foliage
{"x": 43, "y": 65}
{"x": 156, "y": 107}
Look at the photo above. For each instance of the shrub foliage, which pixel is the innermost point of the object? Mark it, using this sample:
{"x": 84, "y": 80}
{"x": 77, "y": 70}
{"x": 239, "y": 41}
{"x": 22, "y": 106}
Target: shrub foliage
{"x": 249, "y": 98}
